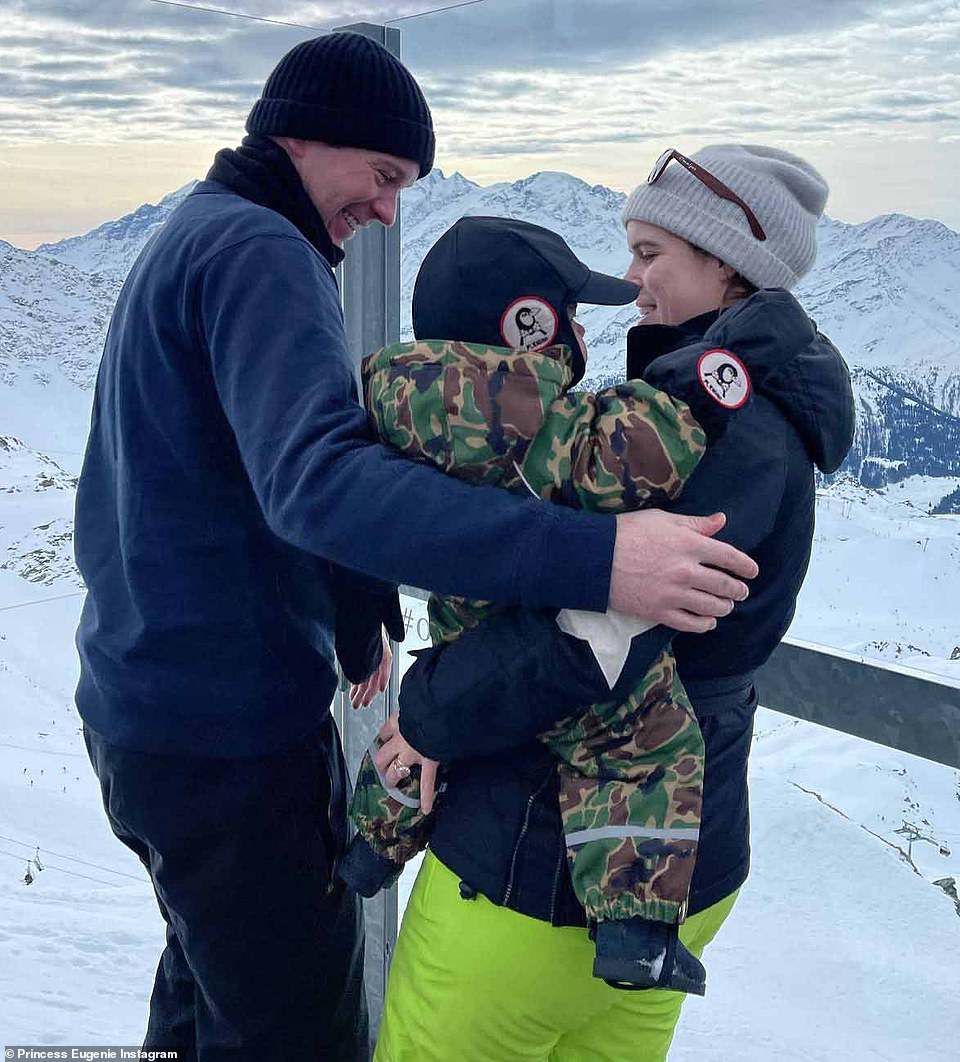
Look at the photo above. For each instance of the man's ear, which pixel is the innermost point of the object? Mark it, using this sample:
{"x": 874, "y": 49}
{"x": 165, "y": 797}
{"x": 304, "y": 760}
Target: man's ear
{"x": 294, "y": 146}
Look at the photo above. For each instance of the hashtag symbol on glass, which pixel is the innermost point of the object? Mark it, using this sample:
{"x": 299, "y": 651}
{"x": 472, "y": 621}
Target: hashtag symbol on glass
{"x": 408, "y": 619}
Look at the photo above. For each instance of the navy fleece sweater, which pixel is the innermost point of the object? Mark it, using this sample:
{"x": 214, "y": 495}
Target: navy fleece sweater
{"x": 227, "y": 453}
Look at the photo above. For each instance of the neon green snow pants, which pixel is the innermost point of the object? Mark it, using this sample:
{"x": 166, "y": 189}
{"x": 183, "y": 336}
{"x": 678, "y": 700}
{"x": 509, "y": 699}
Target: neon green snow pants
{"x": 474, "y": 982}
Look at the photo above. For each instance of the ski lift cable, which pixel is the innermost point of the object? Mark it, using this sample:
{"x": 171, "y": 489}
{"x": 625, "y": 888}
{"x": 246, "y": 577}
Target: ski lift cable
{"x": 44, "y": 752}
{"x": 432, "y": 11}
{"x": 234, "y": 14}
{"x": 63, "y": 870}
{"x": 42, "y": 601}
{"x": 72, "y": 859}
{"x": 301, "y": 25}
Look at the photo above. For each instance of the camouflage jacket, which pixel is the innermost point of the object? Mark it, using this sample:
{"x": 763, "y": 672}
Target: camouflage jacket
{"x": 489, "y": 415}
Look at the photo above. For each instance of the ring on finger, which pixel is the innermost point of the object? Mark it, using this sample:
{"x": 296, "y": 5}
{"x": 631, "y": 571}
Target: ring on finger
{"x": 403, "y": 771}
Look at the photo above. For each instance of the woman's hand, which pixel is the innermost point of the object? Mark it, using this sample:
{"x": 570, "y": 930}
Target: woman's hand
{"x": 362, "y": 693}
{"x": 395, "y": 756}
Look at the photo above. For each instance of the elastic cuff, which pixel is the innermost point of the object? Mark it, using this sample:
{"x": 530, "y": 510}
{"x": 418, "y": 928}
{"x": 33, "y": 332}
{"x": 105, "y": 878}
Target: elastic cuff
{"x": 623, "y": 908}
{"x": 365, "y": 871}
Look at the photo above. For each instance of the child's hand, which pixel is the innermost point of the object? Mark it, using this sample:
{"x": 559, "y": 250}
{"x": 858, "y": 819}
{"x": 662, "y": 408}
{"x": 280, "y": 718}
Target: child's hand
{"x": 362, "y": 693}
{"x": 396, "y": 756}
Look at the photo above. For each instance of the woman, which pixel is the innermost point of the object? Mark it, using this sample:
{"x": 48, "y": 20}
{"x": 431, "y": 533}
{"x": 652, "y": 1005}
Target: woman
{"x": 494, "y": 959}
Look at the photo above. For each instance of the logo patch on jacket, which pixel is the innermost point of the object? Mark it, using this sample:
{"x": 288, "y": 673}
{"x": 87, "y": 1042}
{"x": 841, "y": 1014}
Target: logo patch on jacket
{"x": 724, "y": 377}
{"x": 529, "y": 323}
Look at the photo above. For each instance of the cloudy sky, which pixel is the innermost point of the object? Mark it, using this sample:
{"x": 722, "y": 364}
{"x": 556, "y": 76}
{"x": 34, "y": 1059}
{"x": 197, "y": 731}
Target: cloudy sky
{"x": 106, "y": 104}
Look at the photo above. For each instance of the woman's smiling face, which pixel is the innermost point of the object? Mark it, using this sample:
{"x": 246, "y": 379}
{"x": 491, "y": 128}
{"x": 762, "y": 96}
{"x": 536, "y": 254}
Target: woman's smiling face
{"x": 677, "y": 281}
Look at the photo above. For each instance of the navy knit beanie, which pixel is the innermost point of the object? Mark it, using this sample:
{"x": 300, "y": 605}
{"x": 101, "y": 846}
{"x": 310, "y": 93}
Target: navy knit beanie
{"x": 346, "y": 90}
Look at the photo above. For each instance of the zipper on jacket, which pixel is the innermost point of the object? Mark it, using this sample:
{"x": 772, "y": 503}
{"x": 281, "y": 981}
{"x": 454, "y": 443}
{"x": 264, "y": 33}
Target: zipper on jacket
{"x": 556, "y": 879}
{"x": 337, "y": 844}
{"x": 520, "y": 837}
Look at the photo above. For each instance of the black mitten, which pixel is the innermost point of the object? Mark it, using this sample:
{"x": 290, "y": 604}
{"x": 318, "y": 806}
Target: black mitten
{"x": 364, "y": 604}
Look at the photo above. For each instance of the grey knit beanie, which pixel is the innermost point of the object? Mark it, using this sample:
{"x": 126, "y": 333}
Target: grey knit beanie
{"x": 785, "y": 192}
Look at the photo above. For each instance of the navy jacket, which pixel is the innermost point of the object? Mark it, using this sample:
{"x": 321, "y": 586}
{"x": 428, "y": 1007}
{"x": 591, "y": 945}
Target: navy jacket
{"x": 478, "y": 704}
{"x": 228, "y": 452}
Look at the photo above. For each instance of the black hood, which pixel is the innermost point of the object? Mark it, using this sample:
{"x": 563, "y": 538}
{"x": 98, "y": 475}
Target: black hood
{"x": 789, "y": 361}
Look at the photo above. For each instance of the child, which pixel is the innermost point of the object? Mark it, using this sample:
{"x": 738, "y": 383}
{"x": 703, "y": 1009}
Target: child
{"x": 493, "y": 405}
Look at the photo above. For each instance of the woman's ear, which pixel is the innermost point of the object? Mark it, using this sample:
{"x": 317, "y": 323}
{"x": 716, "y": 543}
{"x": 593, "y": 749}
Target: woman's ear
{"x": 734, "y": 289}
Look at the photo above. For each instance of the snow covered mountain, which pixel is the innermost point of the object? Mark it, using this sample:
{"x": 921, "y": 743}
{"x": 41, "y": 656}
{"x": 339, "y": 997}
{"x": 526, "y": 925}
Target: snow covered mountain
{"x": 36, "y": 518}
{"x": 112, "y": 248}
{"x": 884, "y": 291}
{"x": 53, "y": 318}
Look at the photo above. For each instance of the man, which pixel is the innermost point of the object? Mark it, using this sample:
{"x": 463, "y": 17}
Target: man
{"x": 228, "y": 454}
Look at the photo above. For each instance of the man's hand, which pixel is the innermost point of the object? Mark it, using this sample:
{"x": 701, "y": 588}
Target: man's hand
{"x": 362, "y": 693}
{"x": 395, "y": 748}
{"x": 665, "y": 570}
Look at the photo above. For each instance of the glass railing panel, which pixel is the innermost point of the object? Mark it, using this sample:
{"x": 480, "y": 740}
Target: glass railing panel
{"x": 552, "y": 111}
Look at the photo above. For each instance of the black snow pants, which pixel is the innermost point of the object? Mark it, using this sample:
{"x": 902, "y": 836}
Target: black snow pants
{"x": 264, "y": 955}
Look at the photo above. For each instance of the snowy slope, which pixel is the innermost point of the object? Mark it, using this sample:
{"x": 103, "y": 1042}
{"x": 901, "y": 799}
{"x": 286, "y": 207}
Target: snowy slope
{"x": 36, "y": 517}
{"x": 75, "y": 946}
{"x": 885, "y": 575}
{"x": 837, "y": 949}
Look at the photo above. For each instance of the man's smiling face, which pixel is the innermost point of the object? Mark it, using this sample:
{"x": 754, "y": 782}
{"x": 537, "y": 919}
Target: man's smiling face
{"x": 350, "y": 187}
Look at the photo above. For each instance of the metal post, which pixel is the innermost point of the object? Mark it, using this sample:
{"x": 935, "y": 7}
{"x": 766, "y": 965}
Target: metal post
{"x": 370, "y": 273}
{"x": 370, "y": 292}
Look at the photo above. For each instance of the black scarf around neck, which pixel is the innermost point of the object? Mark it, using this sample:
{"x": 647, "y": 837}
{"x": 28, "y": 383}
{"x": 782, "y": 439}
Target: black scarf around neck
{"x": 261, "y": 171}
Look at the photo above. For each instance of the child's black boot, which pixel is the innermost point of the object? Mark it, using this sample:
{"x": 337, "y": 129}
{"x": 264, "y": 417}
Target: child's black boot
{"x": 638, "y": 953}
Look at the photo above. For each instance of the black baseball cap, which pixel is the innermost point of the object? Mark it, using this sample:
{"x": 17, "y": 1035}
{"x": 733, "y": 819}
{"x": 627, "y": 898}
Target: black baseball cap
{"x": 484, "y": 270}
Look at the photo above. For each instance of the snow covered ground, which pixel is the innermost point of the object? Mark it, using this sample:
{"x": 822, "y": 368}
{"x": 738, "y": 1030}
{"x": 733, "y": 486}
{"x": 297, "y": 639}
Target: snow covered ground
{"x": 838, "y": 948}
{"x": 884, "y": 580}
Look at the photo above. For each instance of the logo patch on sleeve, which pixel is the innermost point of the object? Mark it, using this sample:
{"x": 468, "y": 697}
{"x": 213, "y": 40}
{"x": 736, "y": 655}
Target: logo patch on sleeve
{"x": 529, "y": 323}
{"x": 724, "y": 377}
